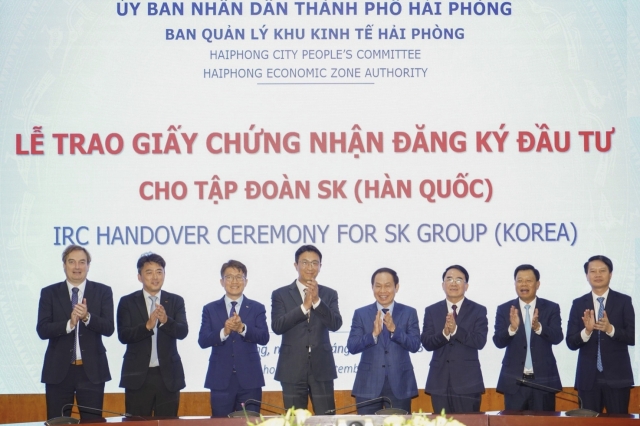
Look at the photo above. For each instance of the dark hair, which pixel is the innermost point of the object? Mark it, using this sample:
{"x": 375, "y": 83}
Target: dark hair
{"x": 527, "y": 267}
{"x": 603, "y": 259}
{"x": 150, "y": 258}
{"x": 235, "y": 264}
{"x": 459, "y": 268}
{"x": 306, "y": 248}
{"x": 389, "y": 271}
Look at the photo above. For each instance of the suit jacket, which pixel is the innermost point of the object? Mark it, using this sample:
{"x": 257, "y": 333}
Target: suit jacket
{"x": 54, "y": 311}
{"x": 132, "y": 331}
{"x": 614, "y": 350}
{"x": 544, "y": 362}
{"x": 238, "y": 351}
{"x": 298, "y": 334}
{"x": 455, "y": 360}
{"x": 379, "y": 360}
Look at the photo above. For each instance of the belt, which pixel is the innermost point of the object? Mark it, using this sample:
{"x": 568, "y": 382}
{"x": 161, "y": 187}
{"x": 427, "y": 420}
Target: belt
{"x": 77, "y": 362}
{"x": 528, "y": 376}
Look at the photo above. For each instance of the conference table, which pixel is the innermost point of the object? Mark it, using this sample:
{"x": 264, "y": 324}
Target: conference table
{"x": 492, "y": 418}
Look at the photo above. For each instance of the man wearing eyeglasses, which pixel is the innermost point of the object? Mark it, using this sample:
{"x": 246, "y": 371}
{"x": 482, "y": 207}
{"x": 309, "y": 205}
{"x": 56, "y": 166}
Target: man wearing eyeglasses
{"x": 528, "y": 327}
{"x": 304, "y": 312}
{"x": 455, "y": 329}
{"x": 233, "y": 327}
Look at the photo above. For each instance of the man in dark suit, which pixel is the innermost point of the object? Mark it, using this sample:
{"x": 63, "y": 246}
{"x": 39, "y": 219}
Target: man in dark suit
{"x": 74, "y": 315}
{"x": 233, "y": 327}
{"x": 384, "y": 332}
{"x": 303, "y": 313}
{"x": 150, "y": 321}
{"x": 528, "y": 327}
{"x": 602, "y": 327}
{"x": 455, "y": 329}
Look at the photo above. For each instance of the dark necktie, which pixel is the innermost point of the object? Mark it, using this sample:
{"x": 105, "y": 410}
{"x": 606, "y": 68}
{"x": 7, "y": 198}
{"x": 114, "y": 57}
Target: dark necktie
{"x": 455, "y": 312}
{"x": 386, "y": 336}
{"x": 233, "y": 309}
{"x": 600, "y": 315}
{"x": 74, "y": 302}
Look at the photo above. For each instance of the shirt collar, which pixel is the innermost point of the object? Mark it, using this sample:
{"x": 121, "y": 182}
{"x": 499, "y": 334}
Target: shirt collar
{"x": 301, "y": 288}
{"x": 80, "y": 287}
{"x": 532, "y": 304}
{"x": 390, "y": 307}
{"x": 596, "y": 304}
{"x": 227, "y": 302}
{"x": 458, "y": 305}
{"x": 147, "y": 295}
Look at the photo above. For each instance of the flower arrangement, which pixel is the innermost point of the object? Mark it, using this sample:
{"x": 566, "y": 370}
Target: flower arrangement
{"x": 297, "y": 417}
{"x": 293, "y": 417}
{"x": 419, "y": 419}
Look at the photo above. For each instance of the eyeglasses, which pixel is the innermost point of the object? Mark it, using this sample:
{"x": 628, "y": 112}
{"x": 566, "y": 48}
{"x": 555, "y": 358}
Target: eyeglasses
{"x": 527, "y": 282}
{"x": 231, "y": 278}
{"x": 451, "y": 280}
{"x": 313, "y": 264}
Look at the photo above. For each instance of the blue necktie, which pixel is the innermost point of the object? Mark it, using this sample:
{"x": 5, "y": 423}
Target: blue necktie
{"x": 74, "y": 302}
{"x": 600, "y": 315}
{"x": 154, "y": 339}
{"x": 233, "y": 309}
{"x": 528, "y": 364}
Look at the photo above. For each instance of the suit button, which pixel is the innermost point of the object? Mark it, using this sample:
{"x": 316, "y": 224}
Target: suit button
{"x": 447, "y": 361}
{"x": 383, "y": 366}
{"x": 309, "y": 330}
{"x": 386, "y": 352}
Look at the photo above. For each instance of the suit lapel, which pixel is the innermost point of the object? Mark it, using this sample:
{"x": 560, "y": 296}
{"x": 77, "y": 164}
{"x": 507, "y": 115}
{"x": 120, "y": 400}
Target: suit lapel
{"x": 398, "y": 312}
{"x": 63, "y": 298}
{"x": 520, "y": 330}
{"x": 295, "y": 294}
{"x": 371, "y": 314}
{"x": 221, "y": 310}
{"x": 462, "y": 313}
{"x": 141, "y": 304}
{"x": 610, "y": 303}
{"x": 244, "y": 309}
{"x": 588, "y": 301}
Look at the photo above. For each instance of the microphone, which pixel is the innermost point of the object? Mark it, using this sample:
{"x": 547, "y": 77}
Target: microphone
{"x": 67, "y": 420}
{"x": 333, "y": 411}
{"x": 255, "y": 401}
{"x": 579, "y": 412}
{"x": 244, "y": 413}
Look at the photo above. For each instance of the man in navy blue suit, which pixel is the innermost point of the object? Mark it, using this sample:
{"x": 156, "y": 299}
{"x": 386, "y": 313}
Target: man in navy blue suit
{"x": 233, "y": 327}
{"x": 455, "y": 329}
{"x": 528, "y": 327}
{"x": 73, "y": 315}
{"x": 602, "y": 327}
{"x": 384, "y": 332}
